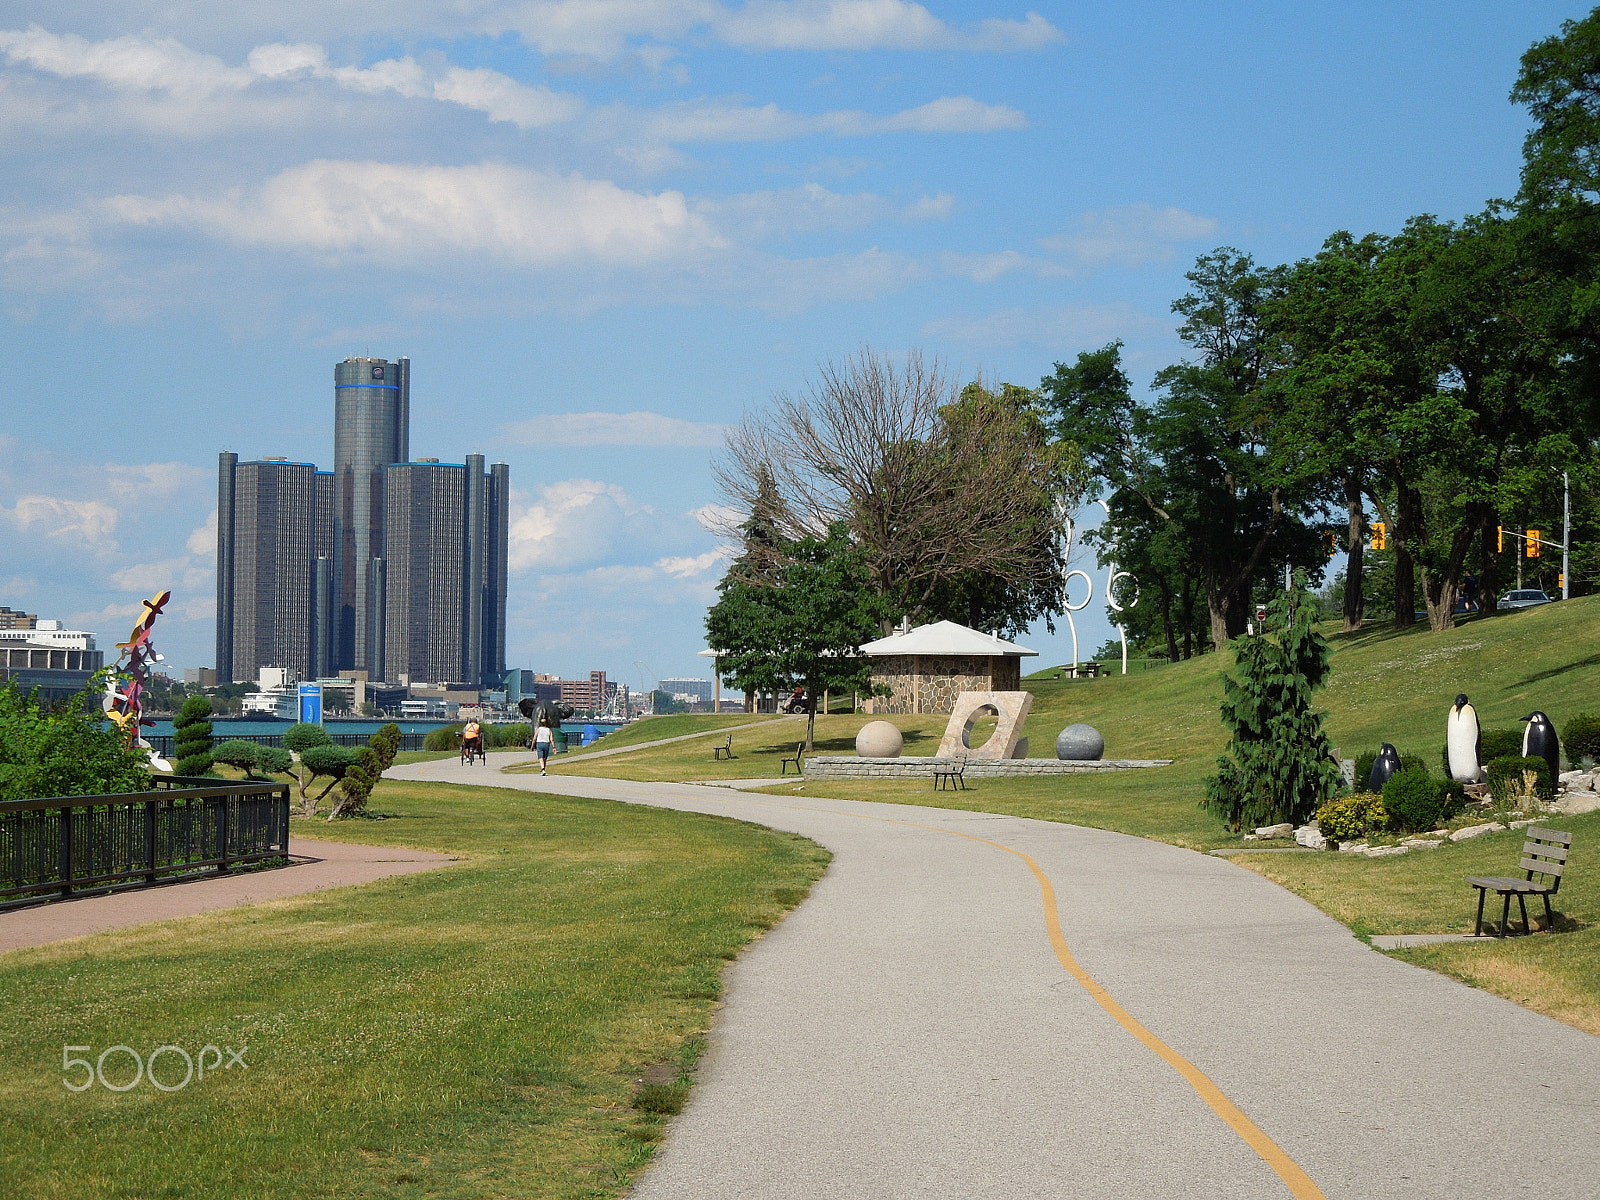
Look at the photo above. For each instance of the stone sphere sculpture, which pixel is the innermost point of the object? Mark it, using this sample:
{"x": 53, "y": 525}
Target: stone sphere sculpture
{"x": 879, "y": 739}
{"x": 1080, "y": 743}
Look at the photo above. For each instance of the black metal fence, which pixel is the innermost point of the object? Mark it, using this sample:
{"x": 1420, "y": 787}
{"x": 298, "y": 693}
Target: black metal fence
{"x": 165, "y": 743}
{"x": 55, "y": 847}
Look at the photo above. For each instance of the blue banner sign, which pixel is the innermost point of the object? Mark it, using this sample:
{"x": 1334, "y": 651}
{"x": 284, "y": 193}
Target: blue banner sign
{"x": 311, "y": 703}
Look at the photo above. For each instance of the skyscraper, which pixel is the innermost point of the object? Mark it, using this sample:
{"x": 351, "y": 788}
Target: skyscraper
{"x": 371, "y": 419}
{"x": 381, "y": 565}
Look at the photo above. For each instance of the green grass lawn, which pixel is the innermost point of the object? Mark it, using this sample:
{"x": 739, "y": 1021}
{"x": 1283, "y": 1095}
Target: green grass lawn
{"x": 474, "y": 1031}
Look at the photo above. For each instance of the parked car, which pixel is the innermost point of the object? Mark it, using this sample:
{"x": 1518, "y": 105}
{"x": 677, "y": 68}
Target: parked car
{"x": 1523, "y": 598}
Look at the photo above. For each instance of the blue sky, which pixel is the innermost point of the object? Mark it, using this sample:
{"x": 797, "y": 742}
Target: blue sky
{"x": 603, "y": 229}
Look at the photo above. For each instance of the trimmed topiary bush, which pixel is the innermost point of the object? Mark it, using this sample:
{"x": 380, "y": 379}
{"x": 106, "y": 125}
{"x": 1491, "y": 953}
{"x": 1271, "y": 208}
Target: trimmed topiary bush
{"x": 238, "y": 753}
{"x": 1508, "y": 778}
{"x": 386, "y": 744}
{"x": 1497, "y": 743}
{"x": 360, "y": 777}
{"x": 1581, "y": 739}
{"x": 274, "y": 760}
{"x": 328, "y": 761}
{"x": 1352, "y": 817}
{"x": 192, "y": 740}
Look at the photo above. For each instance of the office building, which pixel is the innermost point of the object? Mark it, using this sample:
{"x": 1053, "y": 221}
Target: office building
{"x": 585, "y": 695}
{"x": 41, "y": 654}
{"x": 690, "y": 690}
{"x": 382, "y": 567}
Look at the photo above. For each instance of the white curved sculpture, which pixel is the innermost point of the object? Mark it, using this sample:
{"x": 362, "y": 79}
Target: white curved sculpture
{"x": 1112, "y": 575}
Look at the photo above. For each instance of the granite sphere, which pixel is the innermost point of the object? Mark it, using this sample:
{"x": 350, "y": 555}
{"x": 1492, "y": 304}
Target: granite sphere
{"x": 1080, "y": 743}
{"x": 879, "y": 739}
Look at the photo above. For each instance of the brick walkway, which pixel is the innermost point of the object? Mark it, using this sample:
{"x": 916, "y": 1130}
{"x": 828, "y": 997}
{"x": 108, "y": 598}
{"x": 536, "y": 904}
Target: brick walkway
{"x": 315, "y": 866}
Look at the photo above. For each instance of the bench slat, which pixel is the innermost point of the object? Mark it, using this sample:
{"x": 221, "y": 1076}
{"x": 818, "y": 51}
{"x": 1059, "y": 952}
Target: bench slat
{"x": 1544, "y": 868}
{"x": 1549, "y": 835}
{"x": 1527, "y": 887}
{"x": 1558, "y": 853}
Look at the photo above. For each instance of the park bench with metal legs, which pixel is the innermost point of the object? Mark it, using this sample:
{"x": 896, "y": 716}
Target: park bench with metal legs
{"x": 1544, "y": 854}
{"x": 723, "y": 751}
{"x": 794, "y": 758}
{"x": 952, "y": 772}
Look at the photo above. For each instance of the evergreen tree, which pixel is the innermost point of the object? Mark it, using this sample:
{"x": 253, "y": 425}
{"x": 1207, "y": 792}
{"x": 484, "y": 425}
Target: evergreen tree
{"x": 1281, "y": 766}
{"x": 192, "y": 727}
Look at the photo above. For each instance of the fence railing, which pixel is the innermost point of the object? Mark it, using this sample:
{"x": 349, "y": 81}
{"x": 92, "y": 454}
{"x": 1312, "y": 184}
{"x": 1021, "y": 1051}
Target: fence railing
{"x": 55, "y": 847}
{"x": 165, "y": 743}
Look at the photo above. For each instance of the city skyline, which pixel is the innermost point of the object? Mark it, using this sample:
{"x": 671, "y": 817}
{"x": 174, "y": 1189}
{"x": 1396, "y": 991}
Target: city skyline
{"x": 600, "y": 241}
{"x": 390, "y": 568}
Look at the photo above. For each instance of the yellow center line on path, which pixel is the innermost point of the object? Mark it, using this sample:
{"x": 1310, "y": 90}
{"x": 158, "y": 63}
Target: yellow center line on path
{"x": 1300, "y": 1185}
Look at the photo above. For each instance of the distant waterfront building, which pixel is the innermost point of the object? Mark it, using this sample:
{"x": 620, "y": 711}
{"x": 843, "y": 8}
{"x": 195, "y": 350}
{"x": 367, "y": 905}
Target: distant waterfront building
{"x": 585, "y": 695}
{"x": 200, "y": 676}
{"x": 381, "y": 566}
{"x": 46, "y": 656}
{"x": 13, "y": 619}
{"x": 686, "y": 689}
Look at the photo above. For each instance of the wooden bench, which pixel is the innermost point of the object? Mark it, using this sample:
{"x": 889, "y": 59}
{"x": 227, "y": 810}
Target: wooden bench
{"x": 953, "y": 772}
{"x": 794, "y": 758}
{"x": 723, "y": 751}
{"x": 1544, "y": 854}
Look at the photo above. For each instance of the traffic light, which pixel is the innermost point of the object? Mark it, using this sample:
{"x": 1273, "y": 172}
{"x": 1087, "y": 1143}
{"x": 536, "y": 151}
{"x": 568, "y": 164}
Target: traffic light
{"x": 1533, "y": 543}
{"x": 1500, "y": 538}
{"x": 1330, "y": 542}
{"x": 1379, "y": 538}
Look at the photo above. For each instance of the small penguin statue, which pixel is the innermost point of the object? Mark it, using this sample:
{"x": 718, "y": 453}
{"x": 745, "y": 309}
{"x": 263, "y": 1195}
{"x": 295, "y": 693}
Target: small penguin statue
{"x": 1386, "y": 764}
{"x": 1539, "y": 741}
{"x": 1464, "y": 740}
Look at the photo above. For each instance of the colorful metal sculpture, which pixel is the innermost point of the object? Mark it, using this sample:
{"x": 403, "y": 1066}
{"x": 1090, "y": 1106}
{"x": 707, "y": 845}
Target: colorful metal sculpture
{"x": 124, "y": 698}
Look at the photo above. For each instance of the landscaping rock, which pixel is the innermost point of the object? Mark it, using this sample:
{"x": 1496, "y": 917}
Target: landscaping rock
{"x": 1311, "y": 837}
{"x": 1283, "y": 830}
{"x": 1352, "y": 847}
{"x": 1472, "y": 831}
{"x": 1422, "y": 843}
{"x": 1576, "y": 803}
{"x": 1387, "y": 851}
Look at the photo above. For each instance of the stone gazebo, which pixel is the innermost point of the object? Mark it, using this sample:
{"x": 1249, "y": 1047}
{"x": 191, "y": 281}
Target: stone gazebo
{"x": 926, "y": 668}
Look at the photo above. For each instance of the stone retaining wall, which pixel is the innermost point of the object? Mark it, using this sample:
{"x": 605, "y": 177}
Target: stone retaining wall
{"x": 850, "y": 767}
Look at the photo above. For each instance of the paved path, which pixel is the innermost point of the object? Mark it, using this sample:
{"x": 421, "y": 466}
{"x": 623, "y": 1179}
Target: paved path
{"x": 317, "y": 865}
{"x": 587, "y": 755}
{"x": 923, "y": 1026}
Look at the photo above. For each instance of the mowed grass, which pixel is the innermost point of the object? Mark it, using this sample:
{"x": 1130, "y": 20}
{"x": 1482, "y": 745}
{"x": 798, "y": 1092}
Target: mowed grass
{"x": 473, "y": 1031}
{"x": 1426, "y": 892}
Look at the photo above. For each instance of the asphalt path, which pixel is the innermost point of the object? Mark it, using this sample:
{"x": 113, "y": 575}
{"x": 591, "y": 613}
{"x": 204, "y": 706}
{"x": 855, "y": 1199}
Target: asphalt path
{"x": 971, "y": 1005}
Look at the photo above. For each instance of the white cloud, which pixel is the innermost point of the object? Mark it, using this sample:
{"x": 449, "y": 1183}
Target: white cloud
{"x": 89, "y": 522}
{"x": 870, "y": 25}
{"x": 182, "y": 575}
{"x": 131, "y": 63}
{"x": 758, "y": 216}
{"x": 508, "y": 214}
{"x": 721, "y": 519}
{"x": 1131, "y": 236}
{"x": 952, "y": 114}
{"x": 150, "y": 481}
{"x": 612, "y": 429}
{"x": 1054, "y": 328}
{"x": 575, "y": 521}
{"x": 204, "y": 539}
{"x": 689, "y": 567}
{"x": 504, "y": 99}
{"x": 710, "y": 120}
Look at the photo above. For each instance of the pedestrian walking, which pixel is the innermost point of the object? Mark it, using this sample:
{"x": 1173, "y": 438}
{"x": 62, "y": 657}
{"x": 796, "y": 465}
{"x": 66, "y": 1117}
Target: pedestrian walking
{"x": 543, "y": 742}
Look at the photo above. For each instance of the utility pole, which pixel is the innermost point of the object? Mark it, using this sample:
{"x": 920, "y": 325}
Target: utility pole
{"x": 1566, "y": 536}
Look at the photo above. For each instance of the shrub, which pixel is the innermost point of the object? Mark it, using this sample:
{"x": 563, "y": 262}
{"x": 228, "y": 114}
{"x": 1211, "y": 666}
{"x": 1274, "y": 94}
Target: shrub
{"x": 446, "y": 737}
{"x": 1416, "y": 802}
{"x": 1581, "y": 738}
{"x": 274, "y": 760}
{"x": 65, "y": 751}
{"x": 1508, "y": 778}
{"x": 360, "y": 777}
{"x": 330, "y": 761}
{"x": 1279, "y": 765}
{"x": 386, "y": 744}
{"x": 303, "y": 735}
{"x": 1497, "y": 743}
{"x": 1352, "y": 817}
{"x": 192, "y": 727}
{"x": 236, "y": 752}
{"x": 508, "y": 737}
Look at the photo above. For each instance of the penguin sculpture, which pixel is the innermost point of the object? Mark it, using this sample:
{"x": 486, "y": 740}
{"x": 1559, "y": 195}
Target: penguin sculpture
{"x": 1464, "y": 741}
{"x": 1386, "y": 764}
{"x": 1539, "y": 741}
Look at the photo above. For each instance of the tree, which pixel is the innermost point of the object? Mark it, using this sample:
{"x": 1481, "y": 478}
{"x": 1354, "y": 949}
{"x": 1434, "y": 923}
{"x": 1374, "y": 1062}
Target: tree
{"x": 936, "y": 489}
{"x": 192, "y": 730}
{"x": 1559, "y": 81}
{"x": 64, "y": 751}
{"x": 387, "y": 744}
{"x": 360, "y": 777}
{"x": 802, "y": 623}
{"x": 327, "y": 761}
{"x": 238, "y": 753}
{"x": 297, "y": 739}
{"x": 1280, "y": 766}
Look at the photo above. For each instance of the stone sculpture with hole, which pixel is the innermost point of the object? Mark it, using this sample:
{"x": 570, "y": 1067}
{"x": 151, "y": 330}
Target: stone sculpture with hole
{"x": 1010, "y": 710}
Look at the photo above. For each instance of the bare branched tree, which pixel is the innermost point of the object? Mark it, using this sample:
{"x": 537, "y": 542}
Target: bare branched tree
{"x": 934, "y": 483}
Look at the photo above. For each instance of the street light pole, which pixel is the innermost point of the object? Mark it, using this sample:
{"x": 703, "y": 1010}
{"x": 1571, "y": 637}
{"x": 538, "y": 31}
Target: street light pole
{"x": 1566, "y": 536}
